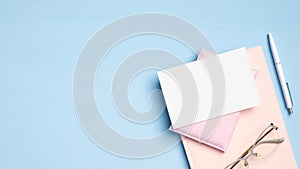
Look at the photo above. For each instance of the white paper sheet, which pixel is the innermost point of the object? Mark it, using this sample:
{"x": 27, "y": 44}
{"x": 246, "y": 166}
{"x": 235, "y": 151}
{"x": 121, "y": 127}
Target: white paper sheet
{"x": 195, "y": 81}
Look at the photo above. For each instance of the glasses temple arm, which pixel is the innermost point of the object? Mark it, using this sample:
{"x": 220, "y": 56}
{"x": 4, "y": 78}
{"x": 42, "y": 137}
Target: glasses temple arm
{"x": 275, "y": 141}
{"x": 260, "y": 137}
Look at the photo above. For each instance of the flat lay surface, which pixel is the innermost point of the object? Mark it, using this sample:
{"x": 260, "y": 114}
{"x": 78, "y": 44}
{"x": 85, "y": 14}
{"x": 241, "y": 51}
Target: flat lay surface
{"x": 41, "y": 42}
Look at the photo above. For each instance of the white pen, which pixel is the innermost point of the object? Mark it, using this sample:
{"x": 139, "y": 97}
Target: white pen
{"x": 284, "y": 85}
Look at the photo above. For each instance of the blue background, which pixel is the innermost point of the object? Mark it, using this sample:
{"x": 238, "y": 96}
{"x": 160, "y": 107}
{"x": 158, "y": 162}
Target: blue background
{"x": 41, "y": 41}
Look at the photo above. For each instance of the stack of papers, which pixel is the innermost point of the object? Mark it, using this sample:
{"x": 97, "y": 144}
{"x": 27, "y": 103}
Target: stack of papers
{"x": 223, "y": 127}
{"x": 189, "y": 95}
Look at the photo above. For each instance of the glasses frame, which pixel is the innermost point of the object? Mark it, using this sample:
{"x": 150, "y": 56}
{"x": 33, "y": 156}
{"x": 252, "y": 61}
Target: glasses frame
{"x": 249, "y": 152}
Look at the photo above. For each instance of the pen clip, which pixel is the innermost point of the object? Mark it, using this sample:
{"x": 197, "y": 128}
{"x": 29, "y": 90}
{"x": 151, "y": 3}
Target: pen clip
{"x": 287, "y": 84}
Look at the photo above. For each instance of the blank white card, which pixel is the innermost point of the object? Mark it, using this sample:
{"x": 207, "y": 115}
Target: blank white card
{"x": 189, "y": 91}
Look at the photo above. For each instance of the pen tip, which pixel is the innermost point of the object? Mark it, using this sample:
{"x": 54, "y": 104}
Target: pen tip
{"x": 291, "y": 111}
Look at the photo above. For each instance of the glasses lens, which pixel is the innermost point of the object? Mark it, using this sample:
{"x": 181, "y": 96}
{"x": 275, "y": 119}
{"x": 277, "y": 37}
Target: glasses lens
{"x": 265, "y": 149}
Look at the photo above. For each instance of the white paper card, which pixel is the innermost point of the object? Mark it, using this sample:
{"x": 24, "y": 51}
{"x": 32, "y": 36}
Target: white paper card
{"x": 188, "y": 89}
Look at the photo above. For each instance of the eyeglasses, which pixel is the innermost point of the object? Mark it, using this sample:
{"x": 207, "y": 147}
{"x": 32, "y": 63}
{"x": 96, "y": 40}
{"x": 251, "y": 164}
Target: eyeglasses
{"x": 266, "y": 143}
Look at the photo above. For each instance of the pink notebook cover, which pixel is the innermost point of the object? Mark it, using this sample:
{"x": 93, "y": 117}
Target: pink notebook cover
{"x": 249, "y": 125}
{"x": 220, "y": 137}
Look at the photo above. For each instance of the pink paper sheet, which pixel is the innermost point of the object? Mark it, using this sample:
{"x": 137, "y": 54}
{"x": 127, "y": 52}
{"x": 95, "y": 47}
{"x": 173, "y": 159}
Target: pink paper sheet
{"x": 251, "y": 123}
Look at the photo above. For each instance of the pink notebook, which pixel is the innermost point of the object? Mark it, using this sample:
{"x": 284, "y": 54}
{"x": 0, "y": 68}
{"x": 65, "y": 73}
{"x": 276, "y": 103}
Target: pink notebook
{"x": 221, "y": 135}
{"x": 249, "y": 125}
